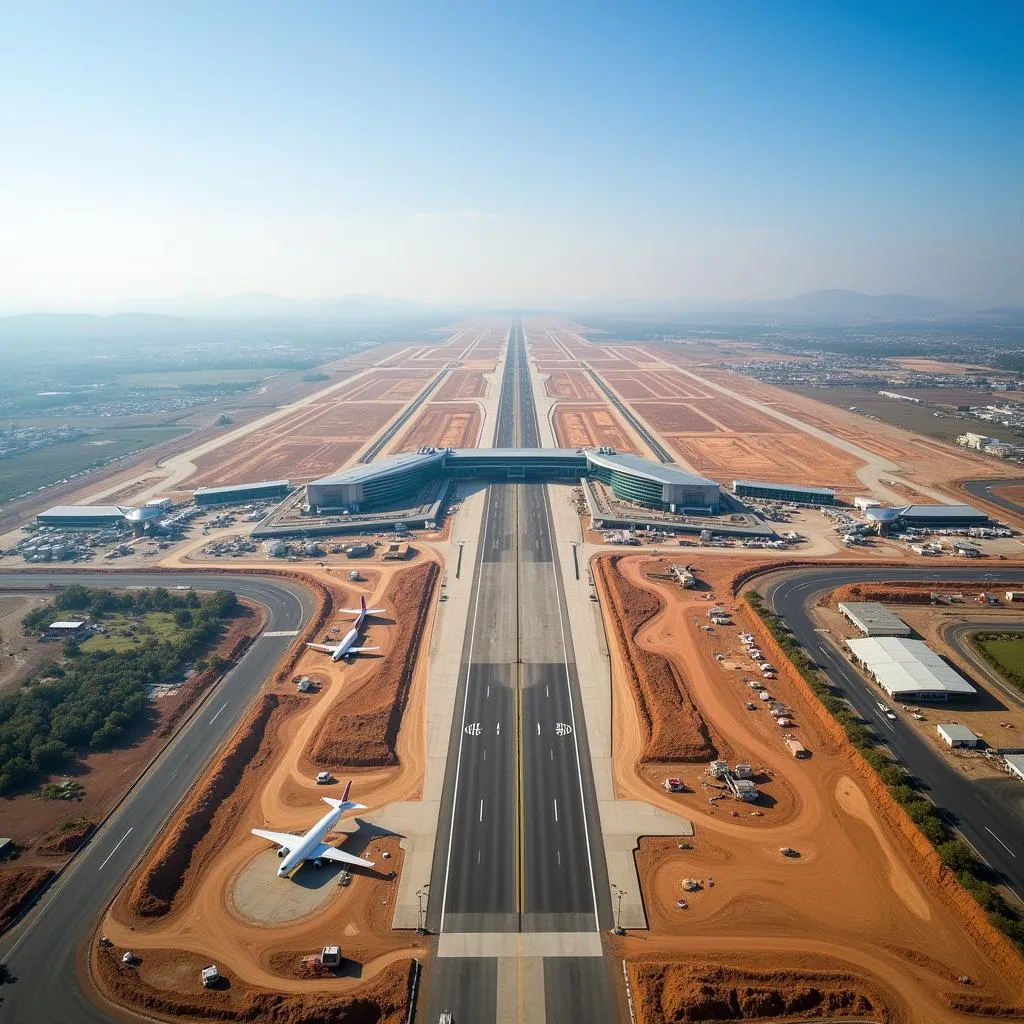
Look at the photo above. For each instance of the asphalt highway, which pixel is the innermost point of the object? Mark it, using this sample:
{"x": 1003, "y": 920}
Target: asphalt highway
{"x": 518, "y": 845}
{"x": 44, "y": 951}
{"x": 976, "y": 808}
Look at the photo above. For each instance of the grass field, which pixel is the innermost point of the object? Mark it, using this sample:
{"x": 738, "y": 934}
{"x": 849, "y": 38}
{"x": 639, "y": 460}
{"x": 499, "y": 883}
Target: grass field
{"x": 919, "y": 418}
{"x": 1005, "y": 653}
{"x": 182, "y": 378}
{"x": 123, "y": 632}
{"x": 29, "y": 472}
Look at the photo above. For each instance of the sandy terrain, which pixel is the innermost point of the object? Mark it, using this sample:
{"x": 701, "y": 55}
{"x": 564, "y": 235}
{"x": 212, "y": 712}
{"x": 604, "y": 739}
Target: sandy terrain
{"x": 263, "y": 778}
{"x": 582, "y": 426}
{"x": 460, "y": 385}
{"x": 570, "y": 384}
{"x": 442, "y": 425}
{"x": 860, "y": 913}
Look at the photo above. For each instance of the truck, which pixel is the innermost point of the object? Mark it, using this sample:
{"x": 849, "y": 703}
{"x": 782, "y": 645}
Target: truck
{"x": 795, "y": 747}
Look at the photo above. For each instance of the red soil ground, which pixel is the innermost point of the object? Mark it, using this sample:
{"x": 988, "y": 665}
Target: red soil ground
{"x": 579, "y": 426}
{"x": 574, "y": 384}
{"x": 443, "y": 426}
{"x": 18, "y": 887}
{"x": 674, "y": 418}
{"x": 460, "y": 385}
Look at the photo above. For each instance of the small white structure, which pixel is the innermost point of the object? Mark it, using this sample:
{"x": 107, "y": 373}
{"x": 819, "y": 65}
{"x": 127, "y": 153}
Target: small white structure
{"x": 210, "y": 976}
{"x": 305, "y": 684}
{"x": 330, "y": 956}
{"x": 872, "y": 618}
{"x": 1015, "y": 765}
{"x": 1015, "y": 595}
{"x": 865, "y": 503}
{"x": 957, "y": 735}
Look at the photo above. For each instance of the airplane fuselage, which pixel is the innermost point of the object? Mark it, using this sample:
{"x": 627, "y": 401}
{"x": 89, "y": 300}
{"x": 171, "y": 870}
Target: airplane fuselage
{"x": 309, "y": 842}
{"x": 350, "y": 638}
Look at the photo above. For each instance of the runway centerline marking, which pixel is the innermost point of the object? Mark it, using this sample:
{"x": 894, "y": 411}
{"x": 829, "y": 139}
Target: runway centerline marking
{"x": 116, "y": 848}
{"x": 481, "y": 808}
{"x": 216, "y": 716}
{"x": 556, "y": 808}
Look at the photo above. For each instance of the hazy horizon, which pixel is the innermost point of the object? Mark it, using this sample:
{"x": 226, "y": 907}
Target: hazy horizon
{"x": 465, "y": 156}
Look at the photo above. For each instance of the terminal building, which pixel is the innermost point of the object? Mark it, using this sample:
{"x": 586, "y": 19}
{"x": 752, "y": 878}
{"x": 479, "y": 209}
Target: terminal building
{"x": 631, "y": 478}
{"x": 798, "y": 493}
{"x": 84, "y": 517}
{"x": 237, "y": 494}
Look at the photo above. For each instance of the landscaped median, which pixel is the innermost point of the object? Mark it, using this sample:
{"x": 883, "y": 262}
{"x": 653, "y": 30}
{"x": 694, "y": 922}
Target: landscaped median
{"x": 914, "y": 815}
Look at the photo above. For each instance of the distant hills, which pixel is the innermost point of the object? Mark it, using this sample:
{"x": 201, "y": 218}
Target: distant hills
{"x": 839, "y": 304}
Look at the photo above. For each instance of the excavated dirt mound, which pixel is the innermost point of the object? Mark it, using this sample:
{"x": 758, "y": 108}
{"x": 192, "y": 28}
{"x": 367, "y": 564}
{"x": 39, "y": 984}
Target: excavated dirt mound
{"x": 66, "y": 839}
{"x": 675, "y": 730}
{"x": 168, "y": 982}
{"x": 195, "y": 829}
{"x": 362, "y": 731}
{"x": 17, "y": 889}
{"x": 693, "y": 991}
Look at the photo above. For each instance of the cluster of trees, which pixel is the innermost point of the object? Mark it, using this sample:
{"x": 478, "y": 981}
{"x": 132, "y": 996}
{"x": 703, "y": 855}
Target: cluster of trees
{"x": 94, "y": 697}
{"x": 956, "y": 855}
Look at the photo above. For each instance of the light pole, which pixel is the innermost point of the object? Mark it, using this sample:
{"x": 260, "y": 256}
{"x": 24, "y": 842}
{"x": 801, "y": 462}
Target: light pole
{"x": 420, "y": 893}
{"x": 618, "y": 893}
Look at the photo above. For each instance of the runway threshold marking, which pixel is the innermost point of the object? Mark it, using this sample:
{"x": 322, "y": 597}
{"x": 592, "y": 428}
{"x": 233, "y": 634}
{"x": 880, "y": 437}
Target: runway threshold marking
{"x": 1000, "y": 842}
{"x": 281, "y": 632}
{"x": 116, "y": 848}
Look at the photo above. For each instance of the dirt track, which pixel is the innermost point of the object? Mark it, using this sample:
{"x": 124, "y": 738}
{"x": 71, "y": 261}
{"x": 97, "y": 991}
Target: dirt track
{"x": 861, "y": 903}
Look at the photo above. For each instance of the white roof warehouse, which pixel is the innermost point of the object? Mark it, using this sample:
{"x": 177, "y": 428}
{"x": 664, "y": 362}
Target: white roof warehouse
{"x": 909, "y": 669}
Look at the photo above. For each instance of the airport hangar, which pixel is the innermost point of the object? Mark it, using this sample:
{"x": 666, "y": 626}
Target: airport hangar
{"x": 631, "y": 478}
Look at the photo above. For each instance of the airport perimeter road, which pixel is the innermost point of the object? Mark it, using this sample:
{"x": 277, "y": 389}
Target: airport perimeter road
{"x": 519, "y": 888}
{"x": 976, "y": 808}
{"x": 983, "y": 489}
{"x": 43, "y": 952}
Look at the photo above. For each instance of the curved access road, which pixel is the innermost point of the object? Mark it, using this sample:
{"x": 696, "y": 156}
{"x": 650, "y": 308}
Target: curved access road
{"x": 983, "y": 489}
{"x": 43, "y": 952}
{"x": 957, "y": 635}
{"x": 975, "y": 808}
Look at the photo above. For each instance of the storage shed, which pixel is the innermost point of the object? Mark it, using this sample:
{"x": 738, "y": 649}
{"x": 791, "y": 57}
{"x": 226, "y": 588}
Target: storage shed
{"x": 957, "y": 735}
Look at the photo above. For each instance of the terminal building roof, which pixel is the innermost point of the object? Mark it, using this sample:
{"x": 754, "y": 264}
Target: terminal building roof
{"x": 231, "y": 488}
{"x": 81, "y": 511}
{"x": 807, "y": 489}
{"x": 940, "y": 512}
{"x": 908, "y": 668}
{"x": 632, "y": 464}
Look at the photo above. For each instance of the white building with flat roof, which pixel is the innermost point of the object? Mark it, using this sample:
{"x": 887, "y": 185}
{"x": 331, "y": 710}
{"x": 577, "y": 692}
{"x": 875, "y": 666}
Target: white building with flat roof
{"x": 957, "y": 735}
{"x": 872, "y": 618}
{"x": 909, "y": 669}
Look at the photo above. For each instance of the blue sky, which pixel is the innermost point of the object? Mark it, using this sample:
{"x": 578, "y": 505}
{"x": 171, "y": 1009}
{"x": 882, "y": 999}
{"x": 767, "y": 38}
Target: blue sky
{"x": 510, "y": 152}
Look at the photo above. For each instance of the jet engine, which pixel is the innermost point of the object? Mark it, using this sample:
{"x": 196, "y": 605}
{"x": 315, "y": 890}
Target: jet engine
{"x": 283, "y": 851}
{"x": 318, "y": 863}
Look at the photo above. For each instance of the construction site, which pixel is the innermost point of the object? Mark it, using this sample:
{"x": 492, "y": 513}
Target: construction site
{"x": 610, "y": 744}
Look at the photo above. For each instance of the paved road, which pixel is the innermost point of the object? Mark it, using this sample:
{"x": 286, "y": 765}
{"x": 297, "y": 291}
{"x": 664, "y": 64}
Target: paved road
{"x": 42, "y": 952}
{"x": 518, "y": 837}
{"x": 983, "y": 489}
{"x": 976, "y": 808}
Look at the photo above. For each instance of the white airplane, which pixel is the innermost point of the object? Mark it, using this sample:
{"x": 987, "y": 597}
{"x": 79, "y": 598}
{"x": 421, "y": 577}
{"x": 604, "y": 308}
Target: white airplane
{"x": 347, "y": 645}
{"x": 311, "y": 846}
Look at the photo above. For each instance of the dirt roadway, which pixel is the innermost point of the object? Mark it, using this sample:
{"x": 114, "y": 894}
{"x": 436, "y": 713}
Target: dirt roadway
{"x": 853, "y": 895}
{"x": 283, "y": 795}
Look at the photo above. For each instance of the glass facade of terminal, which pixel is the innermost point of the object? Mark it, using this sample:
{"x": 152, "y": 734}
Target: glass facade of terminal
{"x": 629, "y": 487}
{"x": 786, "y": 492}
{"x": 402, "y": 483}
{"x": 237, "y": 495}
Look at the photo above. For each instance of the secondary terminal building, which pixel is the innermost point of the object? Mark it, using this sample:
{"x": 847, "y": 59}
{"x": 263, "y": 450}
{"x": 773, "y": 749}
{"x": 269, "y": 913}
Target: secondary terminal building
{"x": 236, "y": 494}
{"x": 794, "y": 493}
{"x": 631, "y": 478}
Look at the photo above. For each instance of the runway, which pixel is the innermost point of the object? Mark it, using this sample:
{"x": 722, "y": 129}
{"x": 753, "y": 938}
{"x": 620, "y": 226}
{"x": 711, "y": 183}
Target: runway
{"x": 43, "y": 952}
{"x": 977, "y": 808}
{"x": 518, "y": 848}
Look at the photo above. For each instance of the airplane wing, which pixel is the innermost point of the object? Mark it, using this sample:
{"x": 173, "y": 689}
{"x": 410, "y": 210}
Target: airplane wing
{"x": 325, "y": 852}
{"x": 368, "y": 611}
{"x": 356, "y": 650}
{"x": 281, "y": 838}
{"x": 326, "y": 648}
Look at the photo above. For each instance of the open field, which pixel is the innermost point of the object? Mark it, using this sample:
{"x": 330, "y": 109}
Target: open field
{"x": 859, "y": 922}
{"x": 19, "y": 656}
{"x": 674, "y": 418}
{"x": 571, "y": 384}
{"x": 652, "y": 384}
{"x": 123, "y": 632}
{"x": 920, "y": 419}
{"x": 783, "y": 458}
{"x": 208, "y": 889}
{"x": 33, "y": 470}
{"x": 582, "y": 426}
{"x": 183, "y": 378}
{"x": 444, "y": 425}
{"x": 460, "y": 385}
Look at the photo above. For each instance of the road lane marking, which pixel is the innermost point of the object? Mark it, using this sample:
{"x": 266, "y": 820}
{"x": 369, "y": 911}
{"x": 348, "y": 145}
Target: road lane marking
{"x": 499, "y": 728}
{"x": 556, "y": 808}
{"x": 116, "y": 848}
{"x": 216, "y": 716}
{"x": 481, "y": 808}
{"x": 465, "y": 707}
{"x": 1000, "y": 842}
{"x": 538, "y": 728}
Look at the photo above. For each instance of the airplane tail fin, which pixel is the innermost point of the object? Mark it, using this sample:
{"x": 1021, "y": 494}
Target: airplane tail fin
{"x": 362, "y": 603}
{"x": 344, "y": 804}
